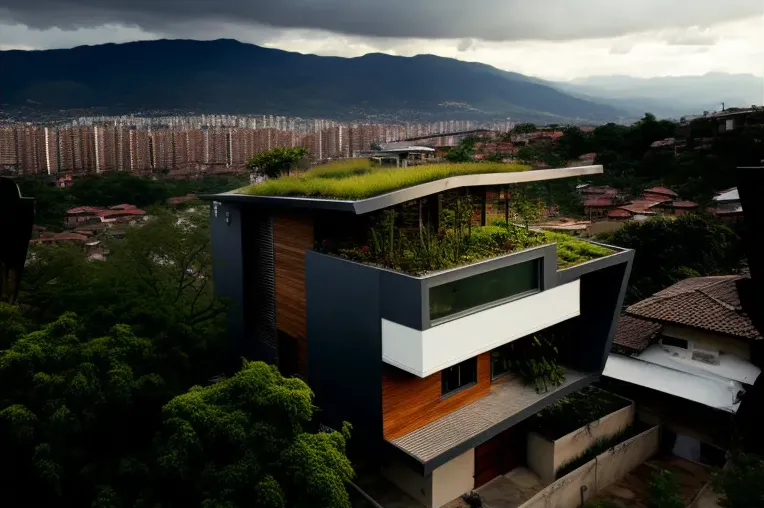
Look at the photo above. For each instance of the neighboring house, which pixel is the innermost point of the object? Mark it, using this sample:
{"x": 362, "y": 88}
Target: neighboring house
{"x": 727, "y": 205}
{"x": 660, "y": 194}
{"x": 641, "y": 207}
{"x": 679, "y": 207}
{"x": 416, "y": 363}
{"x": 82, "y": 215}
{"x": 687, "y": 356}
{"x": 597, "y": 207}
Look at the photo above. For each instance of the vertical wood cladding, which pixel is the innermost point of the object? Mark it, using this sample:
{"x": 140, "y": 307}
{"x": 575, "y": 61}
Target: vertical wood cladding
{"x": 410, "y": 402}
{"x": 292, "y": 236}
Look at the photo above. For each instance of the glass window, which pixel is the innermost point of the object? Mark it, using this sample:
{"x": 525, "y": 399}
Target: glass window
{"x": 500, "y": 361}
{"x": 671, "y": 341}
{"x": 458, "y": 376}
{"x": 482, "y": 289}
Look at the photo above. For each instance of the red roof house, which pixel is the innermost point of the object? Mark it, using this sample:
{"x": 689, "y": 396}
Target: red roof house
{"x": 599, "y": 202}
{"x": 663, "y": 191}
{"x": 618, "y": 214}
{"x": 123, "y": 206}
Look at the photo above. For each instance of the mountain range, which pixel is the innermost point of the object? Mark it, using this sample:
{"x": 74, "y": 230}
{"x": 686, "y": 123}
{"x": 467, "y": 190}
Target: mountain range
{"x": 227, "y": 76}
{"x": 670, "y": 96}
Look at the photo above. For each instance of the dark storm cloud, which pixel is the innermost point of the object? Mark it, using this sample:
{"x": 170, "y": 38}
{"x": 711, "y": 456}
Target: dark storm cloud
{"x": 496, "y": 20}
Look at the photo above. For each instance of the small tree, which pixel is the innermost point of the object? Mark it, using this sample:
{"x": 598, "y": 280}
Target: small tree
{"x": 248, "y": 441}
{"x": 273, "y": 163}
{"x": 375, "y": 145}
{"x": 664, "y": 491}
{"x": 741, "y": 485}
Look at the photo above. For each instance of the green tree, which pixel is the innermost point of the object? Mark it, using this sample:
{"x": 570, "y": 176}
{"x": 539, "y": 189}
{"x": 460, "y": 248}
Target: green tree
{"x": 249, "y": 441}
{"x": 158, "y": 280}
{"x": 375, "y": 145}
{"x": 77, "y": 415}
{"x": 524, "y": 128}
{"x": 669, "y": 250}
{"x": 741, "y": 485}
{"x": 277, "y": 161}
{"x": 664, "y": 491}
{"x": 463, "y": 152}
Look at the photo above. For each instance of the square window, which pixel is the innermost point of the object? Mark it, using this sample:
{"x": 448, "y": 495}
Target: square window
{"x": 457, "y": 377}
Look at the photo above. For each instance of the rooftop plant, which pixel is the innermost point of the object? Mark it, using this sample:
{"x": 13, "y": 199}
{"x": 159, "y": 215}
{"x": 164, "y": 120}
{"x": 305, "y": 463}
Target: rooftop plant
{"x": 360, "y": 178}
{"x": 424, "y": 252}
{"x": 575, "y": 411}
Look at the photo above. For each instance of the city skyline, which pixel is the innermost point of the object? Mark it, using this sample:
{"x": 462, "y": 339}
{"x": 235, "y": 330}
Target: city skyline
{"x": 192, "y": 143}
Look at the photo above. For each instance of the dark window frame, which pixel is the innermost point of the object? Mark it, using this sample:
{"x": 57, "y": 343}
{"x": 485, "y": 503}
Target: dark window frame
{"x": 539, "y": 270}
{"x": 471, "y": 378}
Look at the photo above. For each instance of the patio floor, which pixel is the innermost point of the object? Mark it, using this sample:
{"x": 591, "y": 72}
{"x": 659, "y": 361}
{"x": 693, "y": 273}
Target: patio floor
{"x": 506, "y": 400}
{"x": 633, "y": 491}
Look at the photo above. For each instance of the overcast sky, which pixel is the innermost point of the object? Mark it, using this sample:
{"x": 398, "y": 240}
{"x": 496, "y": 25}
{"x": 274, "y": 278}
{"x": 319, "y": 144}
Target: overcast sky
{"x": 554, "y": 39}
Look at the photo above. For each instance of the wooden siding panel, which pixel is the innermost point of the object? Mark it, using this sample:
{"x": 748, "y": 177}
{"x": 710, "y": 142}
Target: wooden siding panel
{"x": 292, "y": 236}
{"x": 410, "y": 402}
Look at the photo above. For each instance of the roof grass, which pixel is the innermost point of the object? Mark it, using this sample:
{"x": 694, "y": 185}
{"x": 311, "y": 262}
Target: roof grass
{"x": 360, "y": 178}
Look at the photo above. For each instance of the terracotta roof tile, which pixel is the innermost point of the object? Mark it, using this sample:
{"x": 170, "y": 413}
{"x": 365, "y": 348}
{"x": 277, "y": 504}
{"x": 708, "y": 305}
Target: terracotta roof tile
{"x": 640, "y": 206}
{"x": 684, "y": 204}
{"x": 598, "y": 202}
{"x": 707, "y": 303}
{"x": 661, "y": 190}
{"x": 634, "y": 334}
{"x": 618, "y": 214}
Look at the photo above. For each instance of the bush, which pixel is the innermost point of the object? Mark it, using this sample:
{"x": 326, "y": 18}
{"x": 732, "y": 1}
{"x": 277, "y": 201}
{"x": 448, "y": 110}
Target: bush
{"x": 742, "y": 485}
{"x": 665, "y": 492}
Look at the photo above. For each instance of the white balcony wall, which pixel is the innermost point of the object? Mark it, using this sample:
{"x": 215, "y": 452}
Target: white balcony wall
{"x": 425, "y": 352}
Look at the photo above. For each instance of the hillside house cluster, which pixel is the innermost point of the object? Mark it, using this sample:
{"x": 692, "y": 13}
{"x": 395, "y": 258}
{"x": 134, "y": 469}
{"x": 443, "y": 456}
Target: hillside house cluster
{"x": 607, "y": 203}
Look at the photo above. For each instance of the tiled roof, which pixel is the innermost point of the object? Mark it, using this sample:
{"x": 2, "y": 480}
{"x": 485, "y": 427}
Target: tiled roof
{"x": 123, "y": 206}
{"x": 598, "y": 202}
{"x": 706, "y": 303}
{"x": 640, "y": 206}
{"x": 659, "y": 198}
{"x": 618, "y": 214}
{"x": 84, "y": 209}
{"x": 661, "y": 190}
{"x": 634, "y": 334}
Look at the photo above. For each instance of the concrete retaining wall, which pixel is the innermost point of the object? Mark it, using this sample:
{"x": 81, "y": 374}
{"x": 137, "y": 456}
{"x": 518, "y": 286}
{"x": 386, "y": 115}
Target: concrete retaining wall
{"x": 545, "y": 457}
{"x": 606, "y": 469}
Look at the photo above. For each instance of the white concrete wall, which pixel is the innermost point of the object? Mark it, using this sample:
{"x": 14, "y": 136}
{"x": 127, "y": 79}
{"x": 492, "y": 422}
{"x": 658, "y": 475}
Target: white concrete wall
{"x": 604, "y": 470}
{"x": 545, "y": 457}
{"x": 453, "y": 479}
{"x": 425, "y": 352}
{"x": 710, "y": 341}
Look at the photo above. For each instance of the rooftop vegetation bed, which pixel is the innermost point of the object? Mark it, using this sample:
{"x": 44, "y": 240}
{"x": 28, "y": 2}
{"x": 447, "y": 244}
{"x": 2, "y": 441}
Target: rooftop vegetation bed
{"x": 575, "y": 411}
{"x": 360, "y": 178}
{"x": 425, "y": 252}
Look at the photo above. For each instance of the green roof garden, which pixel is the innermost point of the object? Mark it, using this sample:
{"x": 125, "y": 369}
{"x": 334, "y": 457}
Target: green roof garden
{"x": 356, "y": 179}
{"x": 418, "y": 255}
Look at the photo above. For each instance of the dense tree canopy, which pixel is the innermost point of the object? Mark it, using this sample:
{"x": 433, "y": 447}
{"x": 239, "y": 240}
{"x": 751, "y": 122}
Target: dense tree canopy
{"x": 157, "y": 279}
{"x": 247, "y": 441}
{"x": 76, "y": 414}
{"x": 669, "y": 250}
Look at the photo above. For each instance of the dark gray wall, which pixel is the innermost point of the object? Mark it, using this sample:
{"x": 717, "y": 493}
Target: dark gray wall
{"x": 227, "y": 270}
{"x": 242, "y": 263}
{"x": 345, "y": 344}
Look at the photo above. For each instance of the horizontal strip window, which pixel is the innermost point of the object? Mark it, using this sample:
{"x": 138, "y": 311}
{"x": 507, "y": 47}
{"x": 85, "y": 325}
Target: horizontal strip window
{"x": 485, "y": 288}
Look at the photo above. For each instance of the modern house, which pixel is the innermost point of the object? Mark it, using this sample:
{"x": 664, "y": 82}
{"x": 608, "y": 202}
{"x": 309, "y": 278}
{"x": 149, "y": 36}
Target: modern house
{"x": 427, "y": 364}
